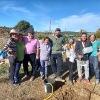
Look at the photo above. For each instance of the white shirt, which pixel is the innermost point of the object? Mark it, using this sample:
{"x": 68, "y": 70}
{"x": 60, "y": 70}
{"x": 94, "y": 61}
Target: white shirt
{"x": 70, "y": 53}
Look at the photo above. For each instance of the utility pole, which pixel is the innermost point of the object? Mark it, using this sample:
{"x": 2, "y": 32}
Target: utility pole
{"x": 50, "y": 26}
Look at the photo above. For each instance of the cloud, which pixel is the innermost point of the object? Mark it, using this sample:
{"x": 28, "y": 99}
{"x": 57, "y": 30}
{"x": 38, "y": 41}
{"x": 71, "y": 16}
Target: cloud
{"x": 12, "y": 7}
{"x": 83, "y": 11}
{"x": 76, "y": 22}
{"x": 41, "y": 7}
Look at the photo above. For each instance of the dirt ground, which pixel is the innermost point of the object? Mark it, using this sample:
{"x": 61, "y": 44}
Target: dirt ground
{"x": 35, "y": 90}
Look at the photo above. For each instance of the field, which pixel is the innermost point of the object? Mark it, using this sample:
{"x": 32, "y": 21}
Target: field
{"x": 35, "y": 90}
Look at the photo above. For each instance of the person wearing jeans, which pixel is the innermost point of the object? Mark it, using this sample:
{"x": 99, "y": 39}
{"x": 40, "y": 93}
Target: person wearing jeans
{"x": 57, "y": 41}
{"x": 45, "y": 49}
{"x": 43, "y": 69}
{"x": 11, "y": 50}
{"x": 70, "y": 54}
{"x": 20, "y": 56}
{"x": 32, "y": 46}
{"x": 93, "y": 59}
{"x": 56, "y": 71}
{"x": 82, "y": 59}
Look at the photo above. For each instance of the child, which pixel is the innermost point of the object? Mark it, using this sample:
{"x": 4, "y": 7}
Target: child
{"x": 11, "y": 50}
{"x": 69, "y": 48}
{"x": 44, "y": 56}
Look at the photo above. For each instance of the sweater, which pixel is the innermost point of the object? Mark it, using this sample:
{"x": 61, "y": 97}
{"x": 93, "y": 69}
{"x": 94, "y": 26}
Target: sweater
{"x": 10, "y": 47}
{"x": 79, "y": 49}
{"x": 95, "y": 45}
{"x": 57, "y": 44}
{"x": 45, "y": 51}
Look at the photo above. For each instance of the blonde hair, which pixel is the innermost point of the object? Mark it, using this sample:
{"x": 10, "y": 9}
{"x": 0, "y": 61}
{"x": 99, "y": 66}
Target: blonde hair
{"x": 69, "y": 46}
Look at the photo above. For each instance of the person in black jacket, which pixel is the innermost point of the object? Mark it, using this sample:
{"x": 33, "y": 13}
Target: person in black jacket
{"x": 82, "y": 59}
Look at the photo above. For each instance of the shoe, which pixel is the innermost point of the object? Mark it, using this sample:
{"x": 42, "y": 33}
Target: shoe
{"x": 79, "y": 80}
{"x": 46, "y": 76}
{"x": 70, "y": 82}
{"x": 97, "y": 82}
{"x": 87, "y": 81}
{"x": 59, "y": 79}
{"x": 14, "y": 84}
{"x": 42, "y": 77}
{"x": 25, "y": 77}
{"x": 32, "y": 78}
{"x": 53, "y": 76}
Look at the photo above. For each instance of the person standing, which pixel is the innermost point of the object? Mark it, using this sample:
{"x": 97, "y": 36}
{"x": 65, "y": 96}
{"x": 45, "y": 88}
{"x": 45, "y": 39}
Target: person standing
{"x": 70, "y": 54}
{"x": 11, "y": 50}
{"x": 93, "y": 59}
{"x": 32, "y": 46}
{"x": 82, "y": 59}
{"x": 20, "y": 56}
{"x": 57, "y": 41}
{"x": 45, "y": 49}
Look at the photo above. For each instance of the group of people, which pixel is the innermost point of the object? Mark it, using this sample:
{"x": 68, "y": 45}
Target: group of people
{"x": 23, "y": 49}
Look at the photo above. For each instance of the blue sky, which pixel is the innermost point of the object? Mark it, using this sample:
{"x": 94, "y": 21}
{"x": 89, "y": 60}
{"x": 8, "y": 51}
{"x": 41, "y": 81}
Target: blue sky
{"x": 71, "y": 15}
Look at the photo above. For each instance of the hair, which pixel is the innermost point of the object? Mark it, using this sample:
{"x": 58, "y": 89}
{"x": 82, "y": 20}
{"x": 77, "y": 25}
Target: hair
{"x": 91, "y": 35}
{"x": 46, "y": 38}
{"x": 84, "y": 33}
{"x": 20, "y": 34}
{"x": 69, "y": 46}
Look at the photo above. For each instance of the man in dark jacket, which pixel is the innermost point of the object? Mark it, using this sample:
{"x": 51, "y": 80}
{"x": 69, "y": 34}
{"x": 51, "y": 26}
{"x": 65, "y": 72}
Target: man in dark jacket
{"x": 82, "y": 59}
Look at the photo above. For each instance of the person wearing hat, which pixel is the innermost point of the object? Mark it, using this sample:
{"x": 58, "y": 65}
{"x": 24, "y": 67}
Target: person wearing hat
{"x": 11, "y": 50}
{"x": 70, "y": 54}
{"x": 82, "y": 58}
{"x": 56, "y": 54}
{"x": 31, "y": 53}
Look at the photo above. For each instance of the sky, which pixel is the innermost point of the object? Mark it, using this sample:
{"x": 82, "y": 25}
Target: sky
{"x": 69, "y": 15}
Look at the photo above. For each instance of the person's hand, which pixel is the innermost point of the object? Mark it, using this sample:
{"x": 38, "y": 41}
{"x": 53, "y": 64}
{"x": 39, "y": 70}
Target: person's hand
{"x": 37, "y": 57}
{"x": 79, "y": 56}
{"x": 98, "y": 53}
{"x": 14, "y": 56}
{"x": 8, "y": 54}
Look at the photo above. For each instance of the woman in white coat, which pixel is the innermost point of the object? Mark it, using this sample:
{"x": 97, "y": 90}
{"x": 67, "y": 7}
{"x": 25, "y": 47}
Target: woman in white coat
{"x": 70, "y": 54}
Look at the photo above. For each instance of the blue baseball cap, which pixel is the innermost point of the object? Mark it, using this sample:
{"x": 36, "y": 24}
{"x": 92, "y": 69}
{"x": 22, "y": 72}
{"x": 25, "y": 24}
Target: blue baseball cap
{"x": 31, "y": 31}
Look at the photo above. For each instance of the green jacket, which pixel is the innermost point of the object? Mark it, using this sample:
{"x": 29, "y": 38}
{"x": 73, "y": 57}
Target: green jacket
{"x": 57, "y": 44}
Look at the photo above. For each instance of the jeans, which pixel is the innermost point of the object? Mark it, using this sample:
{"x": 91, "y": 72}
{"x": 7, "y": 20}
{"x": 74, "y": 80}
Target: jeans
{"x": 17, "y": 68}
{"x": 94, "y": 63}
{"x": 31, "y": 58}
{"x": 43, "y": 68}
{"x": 86, "y": 68}
{"x": 56, "y": 69}
{"x": 12, "y": 62}
{"x": 70, "y": 66}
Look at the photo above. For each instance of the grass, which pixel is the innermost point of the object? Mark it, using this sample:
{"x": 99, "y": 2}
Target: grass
{"x": 3, "y": 69}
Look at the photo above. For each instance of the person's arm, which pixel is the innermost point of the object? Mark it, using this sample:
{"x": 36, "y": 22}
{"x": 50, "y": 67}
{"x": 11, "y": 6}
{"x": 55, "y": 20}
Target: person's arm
{"x": 37, "y": 53}
{"x": 77, "y": 52}
{"x": 98, "y": 53}
{"x": 38, "y": 50}
{"x": 7, "y": 45}
{"x": 64, "y": 42}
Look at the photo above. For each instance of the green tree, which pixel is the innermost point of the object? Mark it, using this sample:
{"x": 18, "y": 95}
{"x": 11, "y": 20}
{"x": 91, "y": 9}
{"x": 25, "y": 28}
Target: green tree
{"x": 98, "y": 33}
{"x": 23, "y": 26}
